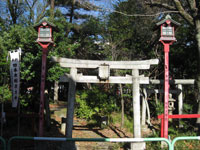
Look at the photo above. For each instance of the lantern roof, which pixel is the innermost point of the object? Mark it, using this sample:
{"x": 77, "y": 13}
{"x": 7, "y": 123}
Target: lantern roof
{"x": 44, "y": 22}
{"x": 168, "y": 18}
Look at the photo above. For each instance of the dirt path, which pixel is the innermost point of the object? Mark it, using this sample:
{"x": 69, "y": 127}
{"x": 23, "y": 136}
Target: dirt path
{"x": 82, "y": 130}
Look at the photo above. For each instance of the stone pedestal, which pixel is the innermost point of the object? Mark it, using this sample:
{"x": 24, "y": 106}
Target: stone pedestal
{"x": 138, "y": 146}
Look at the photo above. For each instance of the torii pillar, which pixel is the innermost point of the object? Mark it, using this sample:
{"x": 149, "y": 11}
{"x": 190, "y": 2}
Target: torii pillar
{"x": 136, "y": 110}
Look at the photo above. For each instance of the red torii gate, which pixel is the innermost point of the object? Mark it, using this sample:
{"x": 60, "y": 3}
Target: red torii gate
{"x": 175, "y": 117}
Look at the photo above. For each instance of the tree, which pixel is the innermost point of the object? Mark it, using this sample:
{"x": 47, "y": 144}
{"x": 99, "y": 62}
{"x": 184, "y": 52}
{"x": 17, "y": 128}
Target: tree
{"x": 5, "y": 93}
{"x": 73, "y": 8}
{"x": 16, "y": 8}
{"x": 189, "y": 10}
{"x": 31, "y": 5}
{"x": 52, "y": 7}
{"x": 130, "y": 37}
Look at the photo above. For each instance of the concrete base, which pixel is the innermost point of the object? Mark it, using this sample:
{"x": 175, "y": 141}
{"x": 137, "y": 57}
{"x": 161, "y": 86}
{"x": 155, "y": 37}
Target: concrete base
{"x": 138, "y": 146}
{"x": 63, "y": 128}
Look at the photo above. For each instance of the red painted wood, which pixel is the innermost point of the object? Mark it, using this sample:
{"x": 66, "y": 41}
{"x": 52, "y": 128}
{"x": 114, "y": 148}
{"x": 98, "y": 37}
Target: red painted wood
{"x": 181, "y": 116}
{"x": 42, "y": 88}
{"x": 162, "y": 127}
{"x": 166, "y": 87}
{"x": 175, "y": 117}
{"x": 166, "y": 90}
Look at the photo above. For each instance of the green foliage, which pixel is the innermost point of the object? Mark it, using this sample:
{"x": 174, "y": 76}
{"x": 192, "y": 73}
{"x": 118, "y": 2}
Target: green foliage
{"x": 19, "y": 36}
{"x": 159, "y": 108}
{"x": 101, "y": 100}
{"x": 30, "y": 67}
{"x": 174, "y": 131}
{"x": 23, "y": 101}
{"x": 55, "y": 72}
{"x": 83, "y": 110}
{"x": 64, "y": 46}
{"x": 5, "y": 93}
{"x": 27, "y": 66}
{"x": 129, "y": 38}
{"x": 115, "y": 118}
{"x": 155, "y": 145}
{"x": 188, "y": 109}
{"x": 156, "y": 109}
{"x": 86, "y": 35}
{"x": 96, "y": 101}
{"x": 184, "y": 54}
{"x": 4, "y": 69}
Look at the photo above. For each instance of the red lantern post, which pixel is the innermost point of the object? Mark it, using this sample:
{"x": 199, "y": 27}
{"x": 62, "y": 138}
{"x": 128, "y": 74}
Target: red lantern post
{"x": 167, "y": 28}
{"x": 44, "y": 29}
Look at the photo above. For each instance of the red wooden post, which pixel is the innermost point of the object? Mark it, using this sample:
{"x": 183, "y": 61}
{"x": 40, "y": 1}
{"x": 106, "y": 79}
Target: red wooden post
{"x": 166, "y": 89}
{"x": 162, "y": 126}
{"x": 42, "y": 88}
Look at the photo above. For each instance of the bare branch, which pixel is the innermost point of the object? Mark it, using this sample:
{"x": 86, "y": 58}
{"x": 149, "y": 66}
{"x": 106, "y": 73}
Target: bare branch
{"x": 183, "y": 13}
{"x": 160, "y": 4}
{"x": 178, "y": 7}
{"x": 86, "y": 5}
{"x": 41, "y": 15}
{"x": 193, "y": 7}
{"x": 142, "y": 15}
{"x": 29, "y": 4}
{"x": 192, "y": 3}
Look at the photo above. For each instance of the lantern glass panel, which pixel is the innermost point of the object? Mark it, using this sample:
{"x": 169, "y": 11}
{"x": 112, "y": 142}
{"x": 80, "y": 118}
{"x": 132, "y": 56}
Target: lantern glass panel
{"x": 167, "y": 31}
{"x": 45, "y": 32}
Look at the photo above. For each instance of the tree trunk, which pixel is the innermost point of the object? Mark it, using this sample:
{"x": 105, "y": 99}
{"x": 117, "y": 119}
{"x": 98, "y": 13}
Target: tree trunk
{"x": 12, "y": 7}
{"x": 122, "y": 105}
{"x": 72, "y": 11}
{"x": 56, "y": 87}
{"x": 197, "y": 24}
{"x": 52, "y": 9}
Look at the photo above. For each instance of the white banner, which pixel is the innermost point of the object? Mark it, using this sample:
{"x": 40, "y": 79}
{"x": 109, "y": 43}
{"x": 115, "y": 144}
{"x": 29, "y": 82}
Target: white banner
{"x": 15, "y": 57}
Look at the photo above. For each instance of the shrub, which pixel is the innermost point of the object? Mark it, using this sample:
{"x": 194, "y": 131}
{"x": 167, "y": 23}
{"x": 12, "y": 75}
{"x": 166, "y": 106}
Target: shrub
{"x": 96, "y": 101}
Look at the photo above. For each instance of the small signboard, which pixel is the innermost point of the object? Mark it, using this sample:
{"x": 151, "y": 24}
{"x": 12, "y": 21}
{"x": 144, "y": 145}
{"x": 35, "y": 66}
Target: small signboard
{"x": 104, "y": 72}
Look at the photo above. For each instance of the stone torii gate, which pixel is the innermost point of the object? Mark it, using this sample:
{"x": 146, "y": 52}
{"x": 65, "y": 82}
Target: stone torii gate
{"x": 103, "y": 76}
{"x": 178, "y": 91}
